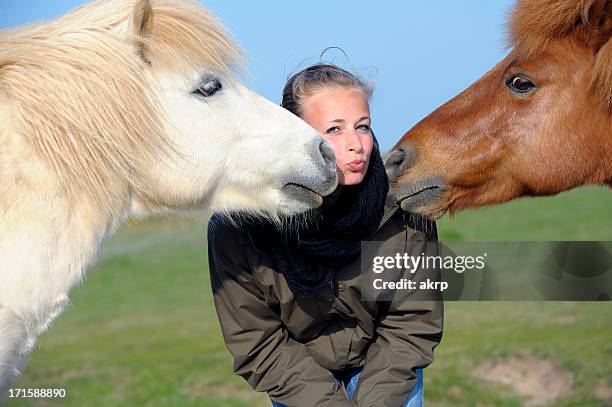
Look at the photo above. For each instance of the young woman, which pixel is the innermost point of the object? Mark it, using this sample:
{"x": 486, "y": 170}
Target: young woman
{"x": 289, "y": 301}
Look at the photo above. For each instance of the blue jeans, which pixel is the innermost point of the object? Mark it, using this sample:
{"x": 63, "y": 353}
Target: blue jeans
{"x": 415, "y": 398}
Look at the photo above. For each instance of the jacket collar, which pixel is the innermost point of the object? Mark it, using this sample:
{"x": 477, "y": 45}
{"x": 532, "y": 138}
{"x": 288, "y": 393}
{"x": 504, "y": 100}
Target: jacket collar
{"x": 388, "y": 212}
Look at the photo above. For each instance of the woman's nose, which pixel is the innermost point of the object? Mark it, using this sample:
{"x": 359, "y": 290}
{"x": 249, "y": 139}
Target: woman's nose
{"x": 354, "y": 142}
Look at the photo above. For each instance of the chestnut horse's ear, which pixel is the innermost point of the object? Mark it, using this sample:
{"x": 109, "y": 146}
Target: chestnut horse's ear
{"x": 600, "y": 24}
{"x": 141, "y": 27}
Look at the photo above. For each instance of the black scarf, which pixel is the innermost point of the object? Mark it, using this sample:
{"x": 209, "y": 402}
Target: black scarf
{"x": 329, "y": 237}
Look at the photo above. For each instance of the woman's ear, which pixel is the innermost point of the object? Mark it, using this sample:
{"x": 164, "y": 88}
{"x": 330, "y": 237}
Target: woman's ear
{"x": 141, "y": 25}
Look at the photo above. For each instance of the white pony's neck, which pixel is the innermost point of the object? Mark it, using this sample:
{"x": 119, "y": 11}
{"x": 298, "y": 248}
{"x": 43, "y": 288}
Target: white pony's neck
{"x": 46, "y": 245}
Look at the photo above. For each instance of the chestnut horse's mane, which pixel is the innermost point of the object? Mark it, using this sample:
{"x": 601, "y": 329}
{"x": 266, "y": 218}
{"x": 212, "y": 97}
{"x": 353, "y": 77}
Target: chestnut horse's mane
{"x": 80, "y": 96}
{"x": 534, "y": 23}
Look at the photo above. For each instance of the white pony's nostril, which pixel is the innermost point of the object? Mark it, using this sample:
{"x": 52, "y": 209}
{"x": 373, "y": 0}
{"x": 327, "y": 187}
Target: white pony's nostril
{"x": 327, "y": 153}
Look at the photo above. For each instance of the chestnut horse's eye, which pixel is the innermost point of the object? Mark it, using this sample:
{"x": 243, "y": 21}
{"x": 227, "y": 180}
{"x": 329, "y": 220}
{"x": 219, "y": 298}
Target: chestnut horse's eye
{"x": 520, "y": 84}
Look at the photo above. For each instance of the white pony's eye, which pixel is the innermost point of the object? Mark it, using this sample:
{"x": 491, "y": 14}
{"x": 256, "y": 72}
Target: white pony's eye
{"x": 208, "y": 88}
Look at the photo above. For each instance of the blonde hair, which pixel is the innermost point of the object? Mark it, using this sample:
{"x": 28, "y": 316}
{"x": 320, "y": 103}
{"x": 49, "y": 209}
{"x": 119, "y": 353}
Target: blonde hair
{"x": 317, "y": 77}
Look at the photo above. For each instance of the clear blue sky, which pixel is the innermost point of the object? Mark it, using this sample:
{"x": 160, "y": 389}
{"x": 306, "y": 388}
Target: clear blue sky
{"x": 418, "y": 53}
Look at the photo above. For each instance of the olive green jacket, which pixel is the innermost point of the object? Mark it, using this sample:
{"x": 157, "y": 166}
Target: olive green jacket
{"x": 287, "y": 344}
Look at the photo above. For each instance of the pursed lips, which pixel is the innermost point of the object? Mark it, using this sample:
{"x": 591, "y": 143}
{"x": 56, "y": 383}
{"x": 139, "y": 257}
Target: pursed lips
{"x": 356, "y": 165}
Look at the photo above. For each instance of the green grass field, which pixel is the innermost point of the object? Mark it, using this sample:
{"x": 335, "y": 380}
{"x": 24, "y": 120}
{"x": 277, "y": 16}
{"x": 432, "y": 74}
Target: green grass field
{"x": 142, "y": 330}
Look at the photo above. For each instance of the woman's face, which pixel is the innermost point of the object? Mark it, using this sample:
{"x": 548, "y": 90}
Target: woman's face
{"x": 342, "y": 116}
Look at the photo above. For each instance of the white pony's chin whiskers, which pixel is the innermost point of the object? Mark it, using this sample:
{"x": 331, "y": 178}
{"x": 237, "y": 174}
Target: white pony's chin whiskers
{"x": 247, "y": 200}
{"x": 272, "y": 202}
{"x": 298, "y": 198}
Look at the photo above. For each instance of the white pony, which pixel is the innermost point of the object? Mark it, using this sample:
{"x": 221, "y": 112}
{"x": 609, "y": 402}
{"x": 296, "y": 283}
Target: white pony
{"x": 127, "y": 108}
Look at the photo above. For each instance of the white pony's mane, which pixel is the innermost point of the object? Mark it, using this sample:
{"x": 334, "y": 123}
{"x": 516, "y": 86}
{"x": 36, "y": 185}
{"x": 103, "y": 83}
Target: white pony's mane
{"x": 77, "y": 91}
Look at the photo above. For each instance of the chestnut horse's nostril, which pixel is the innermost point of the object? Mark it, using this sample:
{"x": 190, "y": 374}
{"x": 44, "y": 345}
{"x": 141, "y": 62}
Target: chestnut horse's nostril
{"x": 396, "y": 157}
{"x": 395, "y": 163}
{"x": 327, "y": 152}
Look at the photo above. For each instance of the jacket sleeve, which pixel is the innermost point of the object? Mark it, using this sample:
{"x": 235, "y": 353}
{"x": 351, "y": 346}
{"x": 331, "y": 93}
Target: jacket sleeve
{"x": 264, "y": 353}
{"x": 407, "y": 334}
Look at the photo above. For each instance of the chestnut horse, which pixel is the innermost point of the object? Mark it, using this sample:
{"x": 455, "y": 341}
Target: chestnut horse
{"x": 538, "y": 123}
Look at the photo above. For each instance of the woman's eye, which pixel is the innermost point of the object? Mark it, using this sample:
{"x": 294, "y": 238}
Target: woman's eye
{"x": 208, "y": 88}
{"x": 363, "y": 127}
{"x": 520, "y": 84}
{"x": 334, "y": 129}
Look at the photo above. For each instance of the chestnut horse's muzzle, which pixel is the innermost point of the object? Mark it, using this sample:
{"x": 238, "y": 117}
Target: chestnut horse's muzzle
{"x": 418, "y": 195}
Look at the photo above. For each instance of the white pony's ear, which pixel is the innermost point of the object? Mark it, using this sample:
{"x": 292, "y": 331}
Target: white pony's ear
{"x": 141, "y": 25}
